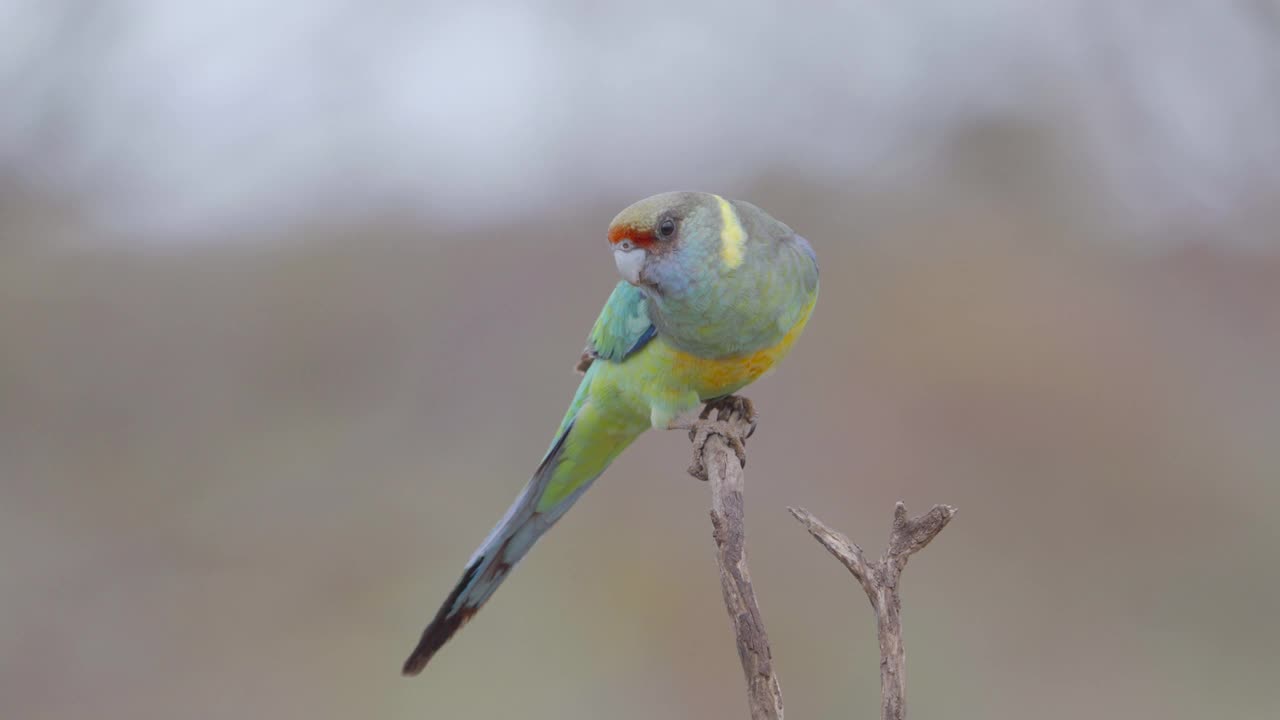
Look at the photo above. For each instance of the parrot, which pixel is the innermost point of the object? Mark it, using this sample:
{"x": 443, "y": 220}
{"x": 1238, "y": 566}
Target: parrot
{"x": 714, "y": 292}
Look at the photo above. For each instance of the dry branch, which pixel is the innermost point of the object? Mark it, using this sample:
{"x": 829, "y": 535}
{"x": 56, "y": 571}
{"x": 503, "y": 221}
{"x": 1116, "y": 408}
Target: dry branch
{"x": 880, "y": 581}
{"x": 716, "y": 460}
{"x": 719, "y": 456}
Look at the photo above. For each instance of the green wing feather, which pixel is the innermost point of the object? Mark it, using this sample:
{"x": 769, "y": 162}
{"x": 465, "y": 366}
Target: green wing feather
{"x": 622, "y": 328}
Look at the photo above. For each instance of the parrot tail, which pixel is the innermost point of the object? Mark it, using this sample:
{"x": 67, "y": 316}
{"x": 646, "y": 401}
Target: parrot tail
{"x": 518, "y": 530}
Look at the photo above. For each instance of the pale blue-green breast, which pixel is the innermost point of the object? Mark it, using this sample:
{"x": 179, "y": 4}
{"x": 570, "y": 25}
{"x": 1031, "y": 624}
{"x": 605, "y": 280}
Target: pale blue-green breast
{"x": 752, "y": 282}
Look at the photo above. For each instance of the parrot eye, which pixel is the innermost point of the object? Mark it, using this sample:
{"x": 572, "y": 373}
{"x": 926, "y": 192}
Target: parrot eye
{"x": 667, "y": 227}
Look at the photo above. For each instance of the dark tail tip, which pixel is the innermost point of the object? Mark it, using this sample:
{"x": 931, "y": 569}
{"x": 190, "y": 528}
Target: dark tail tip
{"x": 433, "y": 638}
{"x": 446, "y": 622}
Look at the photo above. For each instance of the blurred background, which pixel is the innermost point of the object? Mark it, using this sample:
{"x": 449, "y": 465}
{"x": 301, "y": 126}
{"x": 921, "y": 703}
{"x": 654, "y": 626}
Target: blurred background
{"x": 290, "y": 294}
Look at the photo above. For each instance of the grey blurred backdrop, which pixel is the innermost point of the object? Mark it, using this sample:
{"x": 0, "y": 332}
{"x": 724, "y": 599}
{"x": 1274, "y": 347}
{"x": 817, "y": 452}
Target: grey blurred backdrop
{"x": 290, "y": 293}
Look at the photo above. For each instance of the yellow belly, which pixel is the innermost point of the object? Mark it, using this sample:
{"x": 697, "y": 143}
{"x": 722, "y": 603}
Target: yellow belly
{"x": 660, "y": 382}
{"x": 713, "y": 378}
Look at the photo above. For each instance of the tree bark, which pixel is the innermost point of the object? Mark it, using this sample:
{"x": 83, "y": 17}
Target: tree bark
{"x": 723, "y": 470}
{"x": 719, "y": 456}
{"x": 880, "y": 581}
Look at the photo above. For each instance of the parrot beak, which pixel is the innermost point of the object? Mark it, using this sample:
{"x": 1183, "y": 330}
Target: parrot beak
{"x": 630, "y": 263}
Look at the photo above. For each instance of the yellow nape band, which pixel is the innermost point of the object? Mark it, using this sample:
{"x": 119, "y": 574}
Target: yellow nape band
{"x": 732, "y": 236}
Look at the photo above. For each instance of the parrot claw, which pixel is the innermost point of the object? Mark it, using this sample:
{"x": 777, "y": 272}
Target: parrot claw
{"x": 730, "y": 405}
{"x": 732, "y": 412}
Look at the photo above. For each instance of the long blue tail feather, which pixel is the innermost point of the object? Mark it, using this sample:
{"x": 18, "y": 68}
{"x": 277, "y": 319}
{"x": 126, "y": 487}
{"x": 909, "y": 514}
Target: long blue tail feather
{"x": 506, "y": 544}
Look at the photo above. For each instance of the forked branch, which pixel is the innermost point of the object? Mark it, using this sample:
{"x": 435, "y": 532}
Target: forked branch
{"x": 719, "y": 456}
{"x": 880, "y": 582}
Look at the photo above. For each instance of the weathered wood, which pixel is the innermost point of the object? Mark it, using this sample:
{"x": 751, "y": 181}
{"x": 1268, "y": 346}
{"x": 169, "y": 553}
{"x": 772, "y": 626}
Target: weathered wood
{"x": 719, "y": 455}
{"x": 717, "y": 461}
{"x": 880, "y": 582}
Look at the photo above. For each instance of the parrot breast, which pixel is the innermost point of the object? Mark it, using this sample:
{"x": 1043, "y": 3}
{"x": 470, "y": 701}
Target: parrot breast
{"x": 737, "y": 295}
{"x": 713, "y": 377}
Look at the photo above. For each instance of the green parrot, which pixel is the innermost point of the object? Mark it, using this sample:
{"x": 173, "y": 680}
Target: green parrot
{"x": 714, "y": 294}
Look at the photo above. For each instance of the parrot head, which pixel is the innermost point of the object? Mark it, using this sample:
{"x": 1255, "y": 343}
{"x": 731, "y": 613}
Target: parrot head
{"x": 721, "y": 276}
{"x": 656, "y": 240}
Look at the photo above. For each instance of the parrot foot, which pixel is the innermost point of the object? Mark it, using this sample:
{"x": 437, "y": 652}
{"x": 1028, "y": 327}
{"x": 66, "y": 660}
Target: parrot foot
{"x": 732, "y": 414}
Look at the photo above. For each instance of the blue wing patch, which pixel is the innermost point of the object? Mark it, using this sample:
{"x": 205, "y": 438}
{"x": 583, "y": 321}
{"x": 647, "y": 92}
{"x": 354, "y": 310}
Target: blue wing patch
{"x": 622, "y": 328}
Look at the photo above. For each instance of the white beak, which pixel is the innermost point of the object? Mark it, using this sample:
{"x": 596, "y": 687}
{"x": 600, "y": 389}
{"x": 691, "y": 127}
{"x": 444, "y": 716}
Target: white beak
{"x": 629, "y": 263}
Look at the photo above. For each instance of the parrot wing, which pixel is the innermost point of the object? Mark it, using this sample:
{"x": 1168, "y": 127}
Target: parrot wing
{"x": 622, "y": 328}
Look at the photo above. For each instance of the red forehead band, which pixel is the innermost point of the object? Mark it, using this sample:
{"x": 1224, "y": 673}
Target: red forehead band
{"x": 641, "y": 238}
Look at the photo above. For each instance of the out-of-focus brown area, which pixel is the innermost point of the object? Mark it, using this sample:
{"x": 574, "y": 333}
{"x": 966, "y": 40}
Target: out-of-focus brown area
{"x": 238, "y": 475}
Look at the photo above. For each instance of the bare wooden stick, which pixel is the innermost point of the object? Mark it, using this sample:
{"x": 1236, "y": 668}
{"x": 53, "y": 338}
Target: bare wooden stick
{"x": 880, "y": 581}
{"x": 716, "y": 460}
{"x": 719, "y": 455}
